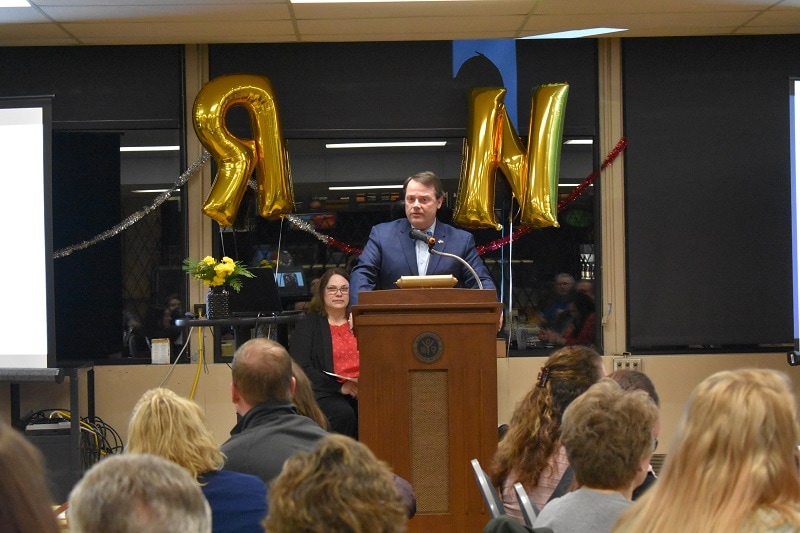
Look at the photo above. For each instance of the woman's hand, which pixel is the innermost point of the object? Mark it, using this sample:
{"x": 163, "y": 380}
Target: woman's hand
{"x": 350, "y": 388}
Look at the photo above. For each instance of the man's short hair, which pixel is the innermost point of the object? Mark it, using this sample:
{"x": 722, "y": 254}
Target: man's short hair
{"x": 138, "y": 492}
{"x": 608, "y": 432}
{"x": 429, "y": 179}
{"x": 262, "y": 371}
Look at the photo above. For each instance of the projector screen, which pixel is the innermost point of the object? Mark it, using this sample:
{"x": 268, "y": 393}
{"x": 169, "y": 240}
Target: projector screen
{"x": 794, "y": 121}
{"x": 27, "y": 329}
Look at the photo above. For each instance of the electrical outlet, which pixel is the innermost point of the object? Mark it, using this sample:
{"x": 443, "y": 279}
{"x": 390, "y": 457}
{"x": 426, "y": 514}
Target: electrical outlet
{"x": 628, "y": 363}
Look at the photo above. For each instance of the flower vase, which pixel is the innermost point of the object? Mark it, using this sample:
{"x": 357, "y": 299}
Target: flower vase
{"x": 218, "y": 302}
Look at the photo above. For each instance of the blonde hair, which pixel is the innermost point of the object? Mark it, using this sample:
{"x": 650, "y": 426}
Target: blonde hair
{"x": 608, "y": 432}
{"x": 304, "y": 398}
{"x": 340, "y": 487}
{"x": 732, "y": 465}
{"x": 175, "y": 428}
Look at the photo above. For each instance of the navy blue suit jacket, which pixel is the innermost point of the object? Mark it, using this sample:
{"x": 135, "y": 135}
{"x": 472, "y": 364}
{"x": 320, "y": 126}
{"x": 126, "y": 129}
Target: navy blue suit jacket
{"x": 391, "y": 253}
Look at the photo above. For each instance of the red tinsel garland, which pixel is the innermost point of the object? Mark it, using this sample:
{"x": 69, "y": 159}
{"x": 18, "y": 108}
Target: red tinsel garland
{"x": 523, "y": 230}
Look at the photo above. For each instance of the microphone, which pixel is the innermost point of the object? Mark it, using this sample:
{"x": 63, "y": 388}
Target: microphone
{"x": 419, "y": 235}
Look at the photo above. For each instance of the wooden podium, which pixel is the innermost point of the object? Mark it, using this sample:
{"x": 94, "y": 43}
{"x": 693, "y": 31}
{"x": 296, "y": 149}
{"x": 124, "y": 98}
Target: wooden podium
{"x": 428, "y": 395}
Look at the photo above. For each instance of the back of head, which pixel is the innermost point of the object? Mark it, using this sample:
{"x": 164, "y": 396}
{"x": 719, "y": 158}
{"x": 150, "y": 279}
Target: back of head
{"x": 608, "y": 433}
{"x": 535, "y": 427}
{"x": 340, "y": 487}
{"x": 262, "y": 371}
{"x": 135, "y": 493}
{"x": 635, "y": 380}
{"x": 736, "y": 448}
{"x": 175, "y": 428}
{"x": 26, "y": 505}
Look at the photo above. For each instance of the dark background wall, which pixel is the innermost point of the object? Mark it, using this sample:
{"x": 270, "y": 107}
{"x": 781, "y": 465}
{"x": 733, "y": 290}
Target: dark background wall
{"x": 707, "y": 164}
{"x": 707, "y": 190}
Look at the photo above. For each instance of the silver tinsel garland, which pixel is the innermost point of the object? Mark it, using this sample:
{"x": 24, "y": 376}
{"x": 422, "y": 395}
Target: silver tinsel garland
{"x": 137, "y": 216}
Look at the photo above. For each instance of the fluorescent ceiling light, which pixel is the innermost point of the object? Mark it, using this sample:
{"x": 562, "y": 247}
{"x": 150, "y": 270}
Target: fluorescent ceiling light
{"x": 149, "y": 148}
{"x": 579, "y": 141}
{"x": 359, "y": 187}
{"x": 385, "y": 144}
{"x": 574, "y": 34}
{"x": 14, "y": 3}
{"x": 150, "y": 191}
{"x": 572, "y": 185}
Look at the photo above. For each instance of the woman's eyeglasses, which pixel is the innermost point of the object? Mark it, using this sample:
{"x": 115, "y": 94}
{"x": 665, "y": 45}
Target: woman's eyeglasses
{"x": 333, "y": 290}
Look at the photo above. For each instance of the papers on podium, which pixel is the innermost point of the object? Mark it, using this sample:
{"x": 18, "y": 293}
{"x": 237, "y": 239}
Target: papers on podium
{"x": 439, "y": 281}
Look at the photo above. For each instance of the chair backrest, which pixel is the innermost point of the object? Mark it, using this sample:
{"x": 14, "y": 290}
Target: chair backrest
{"x": 490, "y": 496}
{"x": 528, "y": 508}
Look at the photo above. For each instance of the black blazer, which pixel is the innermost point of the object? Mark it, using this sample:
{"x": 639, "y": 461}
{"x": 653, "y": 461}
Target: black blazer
{"x": 312, "y": 348}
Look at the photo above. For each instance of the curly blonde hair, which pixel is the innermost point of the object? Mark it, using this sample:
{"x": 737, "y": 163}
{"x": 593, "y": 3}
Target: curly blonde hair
{"x": 535, "y": 429}
{"x": 340, "y": 487}
{"x": 733, "y": 463}
{"x": 175, "y": 428}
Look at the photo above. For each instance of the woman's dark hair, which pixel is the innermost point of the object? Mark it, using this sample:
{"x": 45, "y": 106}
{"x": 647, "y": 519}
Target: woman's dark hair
{"x": 585, "y": 307}
{"x": 317, "y": 303}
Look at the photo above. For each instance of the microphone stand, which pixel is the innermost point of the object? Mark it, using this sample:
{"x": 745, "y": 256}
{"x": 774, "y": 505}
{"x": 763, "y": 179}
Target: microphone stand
{"x": 463, "y": 262}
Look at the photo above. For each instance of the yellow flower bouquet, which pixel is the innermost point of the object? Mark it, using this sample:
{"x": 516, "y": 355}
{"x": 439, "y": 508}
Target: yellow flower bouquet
{"x": 215, "y": 273}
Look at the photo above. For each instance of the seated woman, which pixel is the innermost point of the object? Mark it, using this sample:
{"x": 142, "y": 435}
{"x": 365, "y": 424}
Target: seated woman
{"x": 732, "y": 465}
{"x": 323, "y": 342}
{"x": 582, "y": 329}
{"x": 531, "y": 452}
{"x": 608, "y": 435}
{"x": 340, "y": 487}
{"x": 175, "y": 428}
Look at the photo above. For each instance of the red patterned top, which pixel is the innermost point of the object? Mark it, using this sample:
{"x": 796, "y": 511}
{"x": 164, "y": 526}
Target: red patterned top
{"x": 345, "y": 351}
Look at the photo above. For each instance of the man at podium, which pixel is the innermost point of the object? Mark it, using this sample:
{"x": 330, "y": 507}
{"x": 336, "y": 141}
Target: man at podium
{"x": 391, "y": 253}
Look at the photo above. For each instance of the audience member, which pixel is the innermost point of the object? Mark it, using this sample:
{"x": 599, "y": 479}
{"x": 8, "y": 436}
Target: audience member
{"x": 582, "y": 328}
{"x": 132, "y": 493}
{"x": 608, "y": 435}
{"x": 134, "y": 339}
{"x": 270, "y": 429}
{"x": 557, "y": 314}
{"x": 175, "y": 428}
{"x": 340, "y": 487}
{"x": 509, "y": 524}
{"x": 531, "y": 451}
{"x": 27, "y": 506}
{"x": 313, "y": 286}
{"x": 303, "y": 397}
{"x": 585, "y": 286}
{"x": 635, "y": 380}
{"x": 324, "y": 343}
{"x": 732, "y": 465}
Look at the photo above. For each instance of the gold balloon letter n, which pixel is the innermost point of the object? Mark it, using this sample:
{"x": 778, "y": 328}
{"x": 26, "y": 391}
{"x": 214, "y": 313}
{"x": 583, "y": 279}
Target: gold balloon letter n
{"x": 492, "y": 143}
{"x": 237, "y": 158}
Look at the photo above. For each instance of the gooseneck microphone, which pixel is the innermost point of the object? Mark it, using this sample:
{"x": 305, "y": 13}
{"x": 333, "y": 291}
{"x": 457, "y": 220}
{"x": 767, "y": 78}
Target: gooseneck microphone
{"x": 419, "y": 235}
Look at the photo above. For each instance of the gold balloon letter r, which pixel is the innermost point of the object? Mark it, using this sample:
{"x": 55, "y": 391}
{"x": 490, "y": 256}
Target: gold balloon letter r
{"x": 236, "y": 158}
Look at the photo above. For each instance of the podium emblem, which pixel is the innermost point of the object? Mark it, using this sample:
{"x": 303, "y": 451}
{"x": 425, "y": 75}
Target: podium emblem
{"x": 428, "y": 347}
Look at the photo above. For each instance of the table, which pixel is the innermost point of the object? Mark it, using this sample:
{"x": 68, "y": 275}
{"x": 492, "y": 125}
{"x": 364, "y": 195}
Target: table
{"x": 242, "y": 326}
{"x": 16, "y": 376}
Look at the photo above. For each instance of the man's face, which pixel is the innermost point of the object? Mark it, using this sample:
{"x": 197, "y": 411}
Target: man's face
{"x": 421, "y": 204}
{"x": 563, "y": 286}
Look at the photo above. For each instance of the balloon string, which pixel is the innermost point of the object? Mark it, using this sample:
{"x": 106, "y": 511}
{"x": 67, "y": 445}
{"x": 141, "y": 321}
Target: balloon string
{"x": 576, "y": 192}
{"x": 305, "y": 226}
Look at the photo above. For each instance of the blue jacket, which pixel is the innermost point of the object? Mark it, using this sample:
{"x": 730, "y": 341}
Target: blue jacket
{"x": 391, "y": 253}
